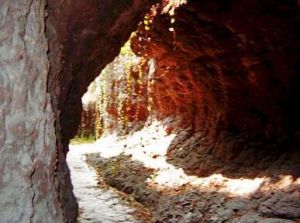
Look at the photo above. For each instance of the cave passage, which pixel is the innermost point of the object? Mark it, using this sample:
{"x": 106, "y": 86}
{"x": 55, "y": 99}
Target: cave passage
{"x": 194, "y": 117}
{"x": 200, "y": 106}
{"x": 126, "y": 161}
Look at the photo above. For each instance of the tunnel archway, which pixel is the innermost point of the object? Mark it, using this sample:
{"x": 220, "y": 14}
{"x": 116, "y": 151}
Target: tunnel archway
{"x": 91, "y": 35}
{"x": 232, "y": 75}
{"x": 225, "y": 79}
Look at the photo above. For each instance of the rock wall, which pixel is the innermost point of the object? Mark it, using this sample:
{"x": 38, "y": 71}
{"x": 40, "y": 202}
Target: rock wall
{"x": 50, "y": 51}
{"x": 227, "y": 71}
{"x": 27, "y": 136}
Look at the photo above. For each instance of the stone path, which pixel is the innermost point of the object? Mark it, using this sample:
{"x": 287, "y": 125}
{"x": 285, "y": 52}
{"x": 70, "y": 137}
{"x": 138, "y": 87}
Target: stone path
{"x": 96, "y": 205}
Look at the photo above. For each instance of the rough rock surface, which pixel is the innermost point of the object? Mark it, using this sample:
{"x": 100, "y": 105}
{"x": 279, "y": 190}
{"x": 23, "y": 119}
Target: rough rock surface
{"x": 227, "y": 71}
{"x": 27, "y": 136}
{"x": 49, "y": 52}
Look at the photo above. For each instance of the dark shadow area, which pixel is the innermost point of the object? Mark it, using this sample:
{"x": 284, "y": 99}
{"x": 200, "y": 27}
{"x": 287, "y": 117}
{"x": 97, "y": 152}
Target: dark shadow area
{"x": 251, "y": 161}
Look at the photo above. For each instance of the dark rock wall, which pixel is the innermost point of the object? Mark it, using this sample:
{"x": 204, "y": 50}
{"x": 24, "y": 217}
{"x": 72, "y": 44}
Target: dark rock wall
{"x": 83, "y": 37}
{"x": 90, "y": 35}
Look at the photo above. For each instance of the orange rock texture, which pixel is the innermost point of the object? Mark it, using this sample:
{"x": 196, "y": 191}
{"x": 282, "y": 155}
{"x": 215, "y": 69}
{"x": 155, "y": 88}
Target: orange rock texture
{"x": 227, "y": 71}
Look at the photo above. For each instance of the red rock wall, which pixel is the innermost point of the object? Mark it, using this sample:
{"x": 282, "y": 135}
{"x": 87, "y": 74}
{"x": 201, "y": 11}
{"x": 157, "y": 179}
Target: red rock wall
{"x": 228, "y": 71}
{"x": 126, "y": 109}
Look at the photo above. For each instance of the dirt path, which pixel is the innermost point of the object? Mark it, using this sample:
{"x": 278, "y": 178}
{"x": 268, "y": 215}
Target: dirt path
{"x": 97, "y": 204}
{"x": 137, "y": 165}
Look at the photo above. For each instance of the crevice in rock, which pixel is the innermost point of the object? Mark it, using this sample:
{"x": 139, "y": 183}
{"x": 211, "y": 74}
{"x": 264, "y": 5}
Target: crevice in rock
{"x": 33, "y": 194}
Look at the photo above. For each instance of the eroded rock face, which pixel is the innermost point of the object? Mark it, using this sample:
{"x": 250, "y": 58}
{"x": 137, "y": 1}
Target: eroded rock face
{"x": 227, "y": 71}
{"x": 27, "y": 136}
{"x": 61, "y": 58}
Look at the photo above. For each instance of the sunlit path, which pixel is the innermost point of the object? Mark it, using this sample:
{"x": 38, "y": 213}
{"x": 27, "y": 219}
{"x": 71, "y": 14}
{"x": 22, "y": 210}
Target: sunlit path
{"x": 137, "y": 164}
{"x": 96, "y": 205}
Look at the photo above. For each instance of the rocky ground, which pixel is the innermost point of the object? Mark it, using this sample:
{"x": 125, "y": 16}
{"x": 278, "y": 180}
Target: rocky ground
{"x": 137, "y": 166}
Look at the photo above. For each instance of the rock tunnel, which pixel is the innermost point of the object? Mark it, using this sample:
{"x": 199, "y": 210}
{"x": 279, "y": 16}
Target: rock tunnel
{"x": 229, "y": 75}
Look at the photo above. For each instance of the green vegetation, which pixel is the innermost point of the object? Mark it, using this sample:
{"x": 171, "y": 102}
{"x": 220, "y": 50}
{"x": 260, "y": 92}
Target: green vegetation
{"x": 82, "y": 140}
{"x": 126, "y": 50}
